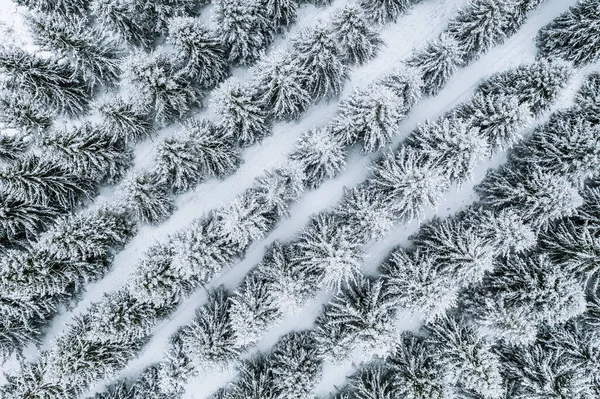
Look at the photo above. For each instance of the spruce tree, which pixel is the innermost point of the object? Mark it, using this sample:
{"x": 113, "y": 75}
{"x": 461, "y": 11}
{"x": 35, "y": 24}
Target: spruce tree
{"x": 32, "y": 381}
{"x": 359, "y": 42}
{"x": 588, "y": 98}
{"x": 365, "y": 214}
{"x": 276, "y": 190}
{"x": 125, "y": 120}
{"x": 147, "y": 197}
{"x": 318, "y": 53}
{"x": 406, "y": 83}
{"x": 12, "y": 147}
{"x": 21, "y": 221}
{"x": 126, "y": 19}
{"x": 437, "y": 62}
{"x": 371, "y": 381}
{"x": 573, "y": 36}
{"x": 281, "y": 12}
{"x": 383, "y": 11}
{"x": 201, "y": 54}
{"x": 255, "y": 380}
{"x": 63, "y": 7}
{"x": 241, "y": 116}
{"x": 19, "y": 111}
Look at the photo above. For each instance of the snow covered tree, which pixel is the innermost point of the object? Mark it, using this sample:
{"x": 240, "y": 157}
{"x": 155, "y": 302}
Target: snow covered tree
{"x": 498, "y": 118}
{"x": 245, "y": 28}
{"x": 467, "y": 359}
{"x": 49, "y": 81}
{"x": 12, "y": 147}
{"x": 22, "y": 220}
{"x": 255, "y": 380}
{"x": 125, "y": 120}
{"x": 536, "y": 196}
{"x": 371, "y": 381}
{"x": 458, "y": 250}
{"x": 481, "y": 25}
{"x": 453, "y": 144}
{"x": 371, "y": 115}
{"x": 567, "y": 145}
{"x": 95, "y": 55}
{"x": 518, "y": 15}
{"x": 326, "y": 246}
{"x": 276, "y": 190}
{"x": 416, "y": 374}
{"x": 408, "y": 183}
{"x": 240, "y": 115}
{"x": 295, "y": 365}
{"x": 588, "y": 98}
{"x": 126, "y": 19}
{"x": 359, "y": 42}
{"x": 89, "y": 152}
{"x": 318, "y": 53}
{"x": 364, "y": 311}
{"x": 40, "y": 180}
{"x": 120, "y": 390}
{"x": 64, "y": 7}
{"x": 536, "y": 84}
{"x": 417, "y": 284}
{"x": 19, "y": 111}
{"x": 383, "y": 11}
{"x": 147, "y": 197}
{"x": 201, "y": 54}
{"x": 437, "y": 61}
{"x": 201, "y": 152}
{"x": 32, "y": 381}
{"x": 156, "y": 81}
{"x": 282, "y": 13}
{"x": 279, "y": 86}
{"x": 522, "y": 294}
{"x": 574, "y": 35}
{"x": 321, "y": 155}
{"x": 406, "y": 82}
{"x": 365, "y": 214}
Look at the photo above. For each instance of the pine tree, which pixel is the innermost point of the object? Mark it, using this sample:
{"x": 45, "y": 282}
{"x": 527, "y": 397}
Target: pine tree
{"x": 536, "y": 196}
{"x": 321, "y": 155}
{"x": 371, "y": 115}
{"x": 437, "y": 62}
{"x": 574, "y": 35}
{"x": 95, "y": 55}
{"x": 468, "y": 360}
{"x": 255, "y": 380}
{"x": 326, "y": 247}
{"x": 518, "y": 15}
{"x": 371, "y": 381}
{"x": 279, "y": 86}
{"x": 567, "y": 145}
{"x": 12, "y": 147}
{"x": 202, "y": 55}
{"x": 453, "y": 144}
{"x": 240, "y": 115}
{"x": 125, "y": 120}
{"x": 295, "y": 365}
{"x": 50, "y": 82}
{"x": 359, "y": 42}
{"x": 588, "y": 98}
{"x": 245, "y": 28}
{"x": 32, "y": 381}
{"x": 157, "y": 82}
{"x": 281, "y": 12}
{"x": 498, "y": 118}
{"x": 201, "y": 152}
{"x": 383, "y": 11}
{"x": 89, "y": 152}
{"x": 481, "y": 25}
{"x": 536, "y": 84}
{"x": 276, "y": 190}
{"x": 19, "y": 111}
{"x": 406, "y": 83}
{"x": 64, "y": 7}
{"x": 318, "y": 53}
{"x": 408, "y": 183}
{"x": 147, "y": 197}
{"x": 39, "y": 180}
{"x": 22, "y": 220}
{"x": 126, "y": 19}
{"x": 21, "y": 324}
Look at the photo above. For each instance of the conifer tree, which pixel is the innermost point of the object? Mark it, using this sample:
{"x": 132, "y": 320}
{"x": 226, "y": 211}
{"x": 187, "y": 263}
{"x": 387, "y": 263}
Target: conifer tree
{"x": 255, "y": 381}
{"x": 201, "y": 54}
{"x": 32, "y": 381}
{"x": 19, "y": 111}
{"x": 588, "y": 98}
{"x": 437, "y": 61}
{"x": 372, "y": 381}
{"x": 365, "y": 214}
{"x": 64, "y": 7}
{"x": 279, "y": 86}
{"x": 22, "y": 220}
{"x": 147, "y": 197}
{"x": 126, "y": 19}
{"x": 12, "y": 147}
{"x": 50, "y": 82}
{"x": 321, "y": 155}
{"x": 359, "y": 42}
{"x": 406, "y": 83}
{"x": 92, "y": 51}
{"x": 281, "y": 12}
{"x": 125, "y": 120}
{"x": 383, "y": 11}
{"x": 240, "y": 115}
{"x": 573, "y": 36}
{"x": 318, "y": 53}
{"x": 120, "y": 390}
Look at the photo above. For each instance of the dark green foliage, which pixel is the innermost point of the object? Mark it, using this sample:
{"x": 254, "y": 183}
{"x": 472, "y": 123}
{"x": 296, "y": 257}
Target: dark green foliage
{"x": 383, "y": 11}
{"x": 125, "y": 121}
{"x": 22, "y": 220}
{"x": 573, "y": 36}
{"x": 358, "y": 41}
{"x": 148, "y": 197}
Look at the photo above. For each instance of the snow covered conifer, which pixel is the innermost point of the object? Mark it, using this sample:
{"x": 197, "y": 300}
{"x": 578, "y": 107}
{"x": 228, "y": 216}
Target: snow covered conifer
{"x": 157, "y": 82}
{"x": 202, "y": 55}
{"x": 481, "y": 25}
{"x": 18, "y": 110}
{"x": 359, "y": 42}
{"x": 588, "y": 98}
{"x": 126, "y": 19}
{"x": 365, "y": 213}
{"x": 536, "y": 84}
{"x": 383, "y": 11}
{"x": 125, "y": 120}
{"x": 92, "y": 51}
{"x": 120, "y": 390}
{"x": 240, "y": 115}
{"x": 573, "y": 36}
{"x": 371, "y": 381}
{"x": 245, "y": 28}
{"x": 279, "y": 86}
{"x": 536, "y": 196}
{"x": 64, "y": 7}
{"x": 255, "y": 380}
{"x": 321, "y": 155}
{"x": 281, "y": 12}
{"x": 408, "y": 183}
{"x": 277, "y": 190}
{"x": 148, "y": 197}
{"x": 453, "y": 144}
{"x": 31, "y": 381}
{"x": 406, "y": 82}
{"x": 12, "y": 147}
{"x": 318, "y": 53}
{"x": 50, "y": 82}
{"x": 23, "y": 220}
{"x": 437, "y": 61}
